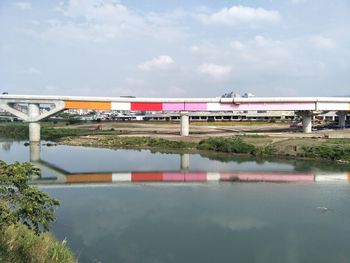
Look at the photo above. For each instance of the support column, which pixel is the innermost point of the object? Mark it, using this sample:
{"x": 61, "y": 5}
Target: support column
{"x": 184, "y": 123}
{"x": 34, "y": 127}
{"x": 185, "y": 161}
{"x": 34, "y": 152}
{"x": 342, "y": 119}
{"x": 307, "y": 121}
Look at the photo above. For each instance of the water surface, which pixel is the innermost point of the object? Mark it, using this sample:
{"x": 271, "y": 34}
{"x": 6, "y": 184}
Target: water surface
{"x": 193, "y": 221}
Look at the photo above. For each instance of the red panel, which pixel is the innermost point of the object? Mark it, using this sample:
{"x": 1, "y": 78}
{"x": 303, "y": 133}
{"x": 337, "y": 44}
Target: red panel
{"x": 146, "y": 177}
{"x": 149, "y": 106}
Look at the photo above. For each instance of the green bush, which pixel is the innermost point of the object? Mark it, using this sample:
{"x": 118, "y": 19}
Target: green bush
{"x": 21, "y": 203}
{"x": 74, "y": 121}
{"x": 265, "y": 150}
{"x": 162, "y": 143}
{"x": 228, "y": 145}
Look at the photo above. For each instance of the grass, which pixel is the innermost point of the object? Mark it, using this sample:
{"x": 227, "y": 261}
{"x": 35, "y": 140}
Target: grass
{"x": 20, "y": 131}
{"x": 327, "y": 152}
{"x": 18, "y": 244}
{"x": 313, "y": 148}
{"x": 141, "y": 142}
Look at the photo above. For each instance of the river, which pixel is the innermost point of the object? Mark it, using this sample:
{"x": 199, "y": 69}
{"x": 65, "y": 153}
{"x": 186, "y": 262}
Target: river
{"x": 143, "y": 206}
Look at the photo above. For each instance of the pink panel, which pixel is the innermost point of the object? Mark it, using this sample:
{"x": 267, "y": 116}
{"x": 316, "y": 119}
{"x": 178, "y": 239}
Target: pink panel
{"x": 173, "y": 106}
{"x": 277, "y": 177}
{"x": 269, "y": 177}
{"x": 196, "y": 106}
{"x": 228, "y": 176}
{"x": 195, "y": 176}
{"x": 177, "y": 177}
{"x": 269, "y": 106}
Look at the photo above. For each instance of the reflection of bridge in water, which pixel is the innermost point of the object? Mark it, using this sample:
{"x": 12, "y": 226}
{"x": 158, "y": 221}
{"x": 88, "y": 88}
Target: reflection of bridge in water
{"x": 61, "y": 176}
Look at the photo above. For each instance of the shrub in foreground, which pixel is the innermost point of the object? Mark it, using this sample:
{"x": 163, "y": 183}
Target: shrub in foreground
{"x": 25, "y": 213}
{"x": 18, "y": 244}
{"x": 21, "y": 203}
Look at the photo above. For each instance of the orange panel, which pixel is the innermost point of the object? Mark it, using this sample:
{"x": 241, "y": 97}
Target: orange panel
{"x": 146, "y": 176}
{"x": 88, "y": 105}
{"x": 89, "y": 178}
{"x": 349, "y": 177}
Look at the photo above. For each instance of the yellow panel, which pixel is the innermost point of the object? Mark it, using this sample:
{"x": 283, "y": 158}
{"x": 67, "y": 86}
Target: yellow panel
{"x": 88, "y": 105}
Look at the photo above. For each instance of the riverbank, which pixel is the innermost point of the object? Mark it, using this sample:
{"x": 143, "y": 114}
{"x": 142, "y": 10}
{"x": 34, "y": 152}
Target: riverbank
{"x": 264, "y": 139}
{"x": 19, "y": 244}
{"x": 337, "y": 150}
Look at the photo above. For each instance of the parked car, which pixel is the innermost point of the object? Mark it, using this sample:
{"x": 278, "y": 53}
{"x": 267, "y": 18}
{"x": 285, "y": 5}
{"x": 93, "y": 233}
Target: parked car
{"x": 296, "y": 124}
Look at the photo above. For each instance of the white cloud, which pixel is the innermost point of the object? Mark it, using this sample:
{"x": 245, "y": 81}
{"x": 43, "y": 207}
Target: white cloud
{"x": 98, "y": 21}
{"x": 214, "y": 70}
{"x": 31, "y": 71}
{"x": 195, "y": 48}
{"x": 207, "y": 50}
{"x": 260, "y": 51}
{"x": 162, "y": 62}
{"x": 260, "y": 40}
{"x": 323, "y": 42}
{"x": 35, "y": 22}
{"x": 97, "y": 10}
{"x": 297, "y": 1}
{"x": 23, "y": 5}
{"x": 240, "y": 15}
{"x": 238, "y": 45}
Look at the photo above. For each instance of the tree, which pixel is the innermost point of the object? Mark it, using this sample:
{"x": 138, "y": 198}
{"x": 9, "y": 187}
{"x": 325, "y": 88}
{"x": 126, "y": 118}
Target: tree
{"x": 22, "y": 203}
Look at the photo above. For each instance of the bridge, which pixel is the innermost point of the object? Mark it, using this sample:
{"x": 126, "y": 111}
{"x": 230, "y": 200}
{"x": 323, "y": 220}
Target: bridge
{"x": 305, "y": 107}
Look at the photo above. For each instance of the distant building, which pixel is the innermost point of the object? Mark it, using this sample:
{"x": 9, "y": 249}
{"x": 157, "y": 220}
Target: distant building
{"x": 236, "y": 95}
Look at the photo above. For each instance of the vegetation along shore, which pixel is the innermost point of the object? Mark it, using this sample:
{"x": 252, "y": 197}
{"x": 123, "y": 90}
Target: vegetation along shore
{"x": 318, "y": 148}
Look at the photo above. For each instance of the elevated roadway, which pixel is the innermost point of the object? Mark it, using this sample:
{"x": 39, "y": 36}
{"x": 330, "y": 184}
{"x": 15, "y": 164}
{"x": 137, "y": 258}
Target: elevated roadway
{"x": 303, "y": 106}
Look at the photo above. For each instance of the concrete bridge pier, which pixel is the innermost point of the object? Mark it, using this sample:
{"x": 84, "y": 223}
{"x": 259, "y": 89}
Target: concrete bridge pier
{"x": 34, "y": 126}
{"x": 184, "y": 123}
{"x": 33, "y": 114}
{"x": 185, "y": 161}
{"x": 342, "y": 119}
{"x": 307, "y": 121}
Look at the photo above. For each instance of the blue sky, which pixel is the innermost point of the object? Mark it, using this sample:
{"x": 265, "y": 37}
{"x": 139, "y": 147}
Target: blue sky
{"x": 175, "y": 48}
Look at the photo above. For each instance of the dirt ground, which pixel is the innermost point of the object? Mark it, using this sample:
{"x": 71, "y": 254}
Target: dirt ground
{"x": 200, "y": 130}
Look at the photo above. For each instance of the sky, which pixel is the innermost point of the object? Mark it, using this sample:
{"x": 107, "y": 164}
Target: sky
{"x": 185, "y": 48}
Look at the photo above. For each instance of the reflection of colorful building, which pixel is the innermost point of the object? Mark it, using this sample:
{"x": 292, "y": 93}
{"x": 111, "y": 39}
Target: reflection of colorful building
{"x": 205, "y": 177}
